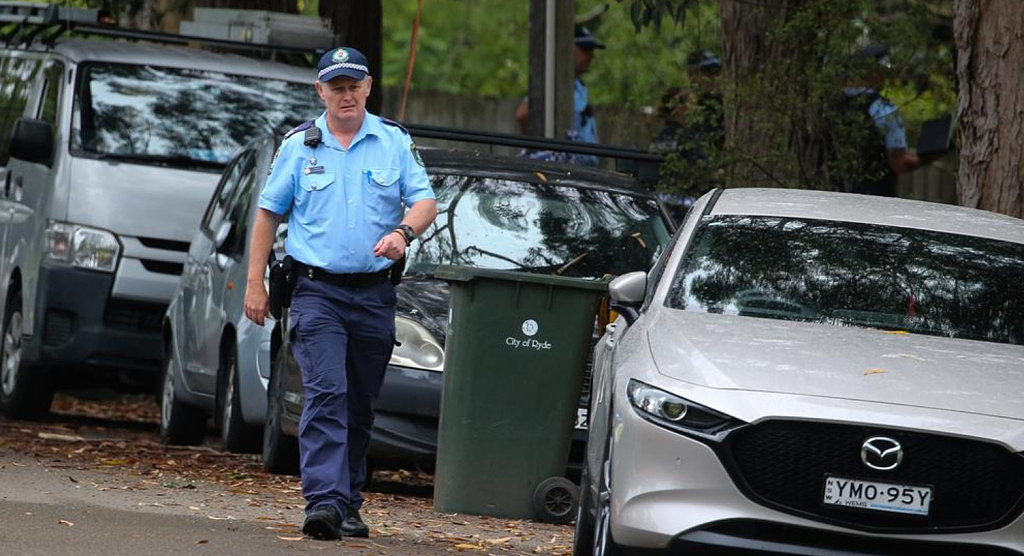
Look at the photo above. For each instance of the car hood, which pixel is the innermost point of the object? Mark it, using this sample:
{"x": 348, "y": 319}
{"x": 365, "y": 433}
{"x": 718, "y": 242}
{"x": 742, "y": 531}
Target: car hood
{"x": 425, "y": 300}
{"x": 755, "y": 354}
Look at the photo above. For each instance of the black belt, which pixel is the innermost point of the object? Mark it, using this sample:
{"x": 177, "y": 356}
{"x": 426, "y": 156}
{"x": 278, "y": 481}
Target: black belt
{"x": 353, "y": 280}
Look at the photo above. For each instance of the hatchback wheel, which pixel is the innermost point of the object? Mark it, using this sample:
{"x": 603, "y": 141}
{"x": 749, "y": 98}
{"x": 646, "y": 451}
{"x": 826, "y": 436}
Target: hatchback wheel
{"x": 280, "y": 450}
{"x": 179, "y": 423}
{"x": 237, "y": 435}
{"x": 24, "y": 393}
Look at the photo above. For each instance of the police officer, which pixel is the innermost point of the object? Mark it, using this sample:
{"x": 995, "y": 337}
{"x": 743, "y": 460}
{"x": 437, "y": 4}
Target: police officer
{"x": 883, "y": 150}
{"x": 584, "y": 126}
{"x": 346, "y": 178}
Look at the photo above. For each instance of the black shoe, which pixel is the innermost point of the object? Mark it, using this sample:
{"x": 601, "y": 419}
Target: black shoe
{"x": 323, "y": 523}
{"x": 353, "y": 526}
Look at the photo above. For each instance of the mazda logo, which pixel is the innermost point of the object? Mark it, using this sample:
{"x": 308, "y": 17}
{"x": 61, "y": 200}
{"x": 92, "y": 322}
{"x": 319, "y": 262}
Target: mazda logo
{"x": 881, "y": 453}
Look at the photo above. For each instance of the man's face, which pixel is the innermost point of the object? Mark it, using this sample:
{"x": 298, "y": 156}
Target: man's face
{"x": 583, "y": 57}
{"x": 344, "y": 97}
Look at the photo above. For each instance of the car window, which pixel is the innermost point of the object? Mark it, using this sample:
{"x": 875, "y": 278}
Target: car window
{"x": 226, "y": 193}
{"x": 181, "y": 117}
{"x": 16, "y": 77}
{"x": 507, "y": 224}
{"x": 850, "y": 274}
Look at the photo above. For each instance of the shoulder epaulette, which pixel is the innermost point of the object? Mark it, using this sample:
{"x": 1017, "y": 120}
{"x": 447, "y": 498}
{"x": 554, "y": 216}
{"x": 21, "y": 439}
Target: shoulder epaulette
{"x": 396, "y": 124}
{"x": 301, "y": 127}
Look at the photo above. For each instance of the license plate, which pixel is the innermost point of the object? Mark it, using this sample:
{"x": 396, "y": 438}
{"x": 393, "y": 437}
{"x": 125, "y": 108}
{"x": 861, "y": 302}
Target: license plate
{"x": 581, "y": 418}
{"x": 883, "y": 497}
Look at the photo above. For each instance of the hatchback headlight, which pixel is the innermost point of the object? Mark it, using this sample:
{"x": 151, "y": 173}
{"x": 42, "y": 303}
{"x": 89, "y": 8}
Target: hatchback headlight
{"x": 418, "y": 348}
{"x": 679, "y": 414}
{"x": 82, "y": 246}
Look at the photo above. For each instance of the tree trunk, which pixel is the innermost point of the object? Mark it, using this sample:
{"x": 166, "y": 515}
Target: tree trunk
{"x": 759, "y": 136}
{"x": 990, "y": 101}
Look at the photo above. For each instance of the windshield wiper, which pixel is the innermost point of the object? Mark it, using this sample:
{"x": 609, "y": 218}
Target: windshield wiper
{"x": 176, "y": 160}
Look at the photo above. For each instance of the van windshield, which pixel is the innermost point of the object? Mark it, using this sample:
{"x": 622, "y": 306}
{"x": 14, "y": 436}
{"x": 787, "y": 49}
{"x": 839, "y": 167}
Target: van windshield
{"x": 180, "y": 117}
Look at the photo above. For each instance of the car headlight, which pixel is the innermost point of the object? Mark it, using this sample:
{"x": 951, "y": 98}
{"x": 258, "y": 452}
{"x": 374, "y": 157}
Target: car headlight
{"x": 82, "y": 246}
{"x": 676, "y": 413}
{"x": 418, "y": 348}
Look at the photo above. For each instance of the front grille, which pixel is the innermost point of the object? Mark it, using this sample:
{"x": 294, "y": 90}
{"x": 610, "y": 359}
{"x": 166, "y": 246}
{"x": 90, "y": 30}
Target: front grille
{"x": 168, "y": 244}
{"x": 134, "y": 315}
{"x": 162, "y": 267}
{"x": 783, "y": 464}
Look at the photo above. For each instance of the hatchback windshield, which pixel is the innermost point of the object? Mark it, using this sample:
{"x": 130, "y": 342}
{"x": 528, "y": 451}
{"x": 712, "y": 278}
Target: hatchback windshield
{"x": 841, "y": 273}
{"x": 542, "y": 228}
{"x": 180, "y": 117}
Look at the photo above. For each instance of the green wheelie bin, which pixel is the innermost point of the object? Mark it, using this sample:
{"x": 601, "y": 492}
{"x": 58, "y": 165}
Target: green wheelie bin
{"x": 515, "y": 354}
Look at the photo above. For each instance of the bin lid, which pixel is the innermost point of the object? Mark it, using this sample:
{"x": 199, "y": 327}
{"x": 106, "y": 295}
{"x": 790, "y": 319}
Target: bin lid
{"x": 456, "y": 273}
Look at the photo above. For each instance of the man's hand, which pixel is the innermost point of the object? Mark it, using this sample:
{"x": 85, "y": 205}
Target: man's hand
{"x": 257, "y": 303}
{"x": 391, "y": 246}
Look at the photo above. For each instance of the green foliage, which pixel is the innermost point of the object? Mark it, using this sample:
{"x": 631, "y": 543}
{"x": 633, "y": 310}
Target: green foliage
{"x": 475, "y": 47}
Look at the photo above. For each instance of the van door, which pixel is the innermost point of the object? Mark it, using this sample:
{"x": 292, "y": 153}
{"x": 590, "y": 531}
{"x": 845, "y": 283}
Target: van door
{"x": 17, "y": 84}
{"x": 31, "y": 195}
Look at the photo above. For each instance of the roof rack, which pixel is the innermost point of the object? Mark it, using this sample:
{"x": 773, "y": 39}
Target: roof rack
{"x": 36, "y": 23}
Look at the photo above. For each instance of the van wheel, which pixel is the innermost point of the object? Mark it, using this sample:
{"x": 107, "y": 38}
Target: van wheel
{"x": 280, "y": 450}
{"x": 24, "y": 393}
{"x": 237, "y": 435}
{"x": 179, "y": 423}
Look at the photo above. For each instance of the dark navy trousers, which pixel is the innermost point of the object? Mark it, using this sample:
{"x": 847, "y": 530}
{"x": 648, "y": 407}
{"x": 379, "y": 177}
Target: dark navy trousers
{"x": 342, "y": 338}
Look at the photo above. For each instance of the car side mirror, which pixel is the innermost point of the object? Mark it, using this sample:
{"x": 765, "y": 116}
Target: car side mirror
{"x": 32, "y": 141}
{"x": 627, "y": 294}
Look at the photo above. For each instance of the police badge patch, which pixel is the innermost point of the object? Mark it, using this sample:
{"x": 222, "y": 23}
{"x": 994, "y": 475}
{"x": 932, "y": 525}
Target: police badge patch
{"x": 416, "y": 154}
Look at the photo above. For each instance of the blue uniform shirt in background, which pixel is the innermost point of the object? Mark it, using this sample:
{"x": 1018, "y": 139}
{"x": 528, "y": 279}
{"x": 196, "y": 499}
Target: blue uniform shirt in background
{"x": 343, "y": 201}
{"x": 890, "y": 122}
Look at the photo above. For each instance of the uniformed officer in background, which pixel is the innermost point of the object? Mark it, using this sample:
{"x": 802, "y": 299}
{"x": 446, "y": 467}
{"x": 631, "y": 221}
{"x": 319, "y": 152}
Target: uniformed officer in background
{"x": 346, "y": 178}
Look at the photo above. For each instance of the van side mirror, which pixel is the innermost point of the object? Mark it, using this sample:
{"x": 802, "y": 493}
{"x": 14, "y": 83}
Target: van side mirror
{"x": 627, "y": 294}
{"x": 32, "y": 141}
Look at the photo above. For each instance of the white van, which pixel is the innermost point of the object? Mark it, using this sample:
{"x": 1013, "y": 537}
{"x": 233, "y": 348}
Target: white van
{"x": 109, "y": 152}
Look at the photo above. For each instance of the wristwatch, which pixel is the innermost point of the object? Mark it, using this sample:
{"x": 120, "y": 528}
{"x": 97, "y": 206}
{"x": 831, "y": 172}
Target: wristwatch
{"x": 407, "y": 232}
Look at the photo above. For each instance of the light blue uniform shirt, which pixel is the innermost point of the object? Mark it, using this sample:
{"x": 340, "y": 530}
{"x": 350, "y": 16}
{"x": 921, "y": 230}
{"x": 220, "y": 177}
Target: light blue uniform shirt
{"x": 886, "y": 117}
{"x": 339, "y": 215}
{"x": 584, "y": 126}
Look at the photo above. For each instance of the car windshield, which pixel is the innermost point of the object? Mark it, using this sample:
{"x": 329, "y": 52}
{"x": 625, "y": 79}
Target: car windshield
{"x": 506, "y": 224}
{"x": 840, "y": 273}
{"x": 180, "y": 117}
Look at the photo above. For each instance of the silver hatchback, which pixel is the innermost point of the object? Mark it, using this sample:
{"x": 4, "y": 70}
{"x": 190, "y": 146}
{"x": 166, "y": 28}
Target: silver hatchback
{"x": 216, "y": 361}
{"x": 813, "y": 373}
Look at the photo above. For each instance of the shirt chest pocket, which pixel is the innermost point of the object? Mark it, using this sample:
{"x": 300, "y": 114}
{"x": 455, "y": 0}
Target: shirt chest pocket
{"x": 383, "y": 188}
{"x": 316, "y": 182}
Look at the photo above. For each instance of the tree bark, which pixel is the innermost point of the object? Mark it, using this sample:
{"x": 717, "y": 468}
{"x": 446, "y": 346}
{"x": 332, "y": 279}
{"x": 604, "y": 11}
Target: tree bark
{"x": 990, "y": 102}
{"x": 762, "y": 140}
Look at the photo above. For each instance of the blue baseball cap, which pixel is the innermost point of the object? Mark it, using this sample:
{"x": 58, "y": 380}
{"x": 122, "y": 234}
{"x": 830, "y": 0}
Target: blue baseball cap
{"x": 344, "y": 61}
{"x": 584, "y": 39}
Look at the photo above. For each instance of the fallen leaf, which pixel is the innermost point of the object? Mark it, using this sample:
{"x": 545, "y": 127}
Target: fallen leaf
{"x": 465, "y": 546}
{"x": 202, "y": 541}
{"x": 542, "y": 176}
{"x": 502, "y": 540}
{"x": 66, "y": 522}
{"x": 291, "y": 538}
{"x": 896, "y": 332}
{"x": 874, "y": 371}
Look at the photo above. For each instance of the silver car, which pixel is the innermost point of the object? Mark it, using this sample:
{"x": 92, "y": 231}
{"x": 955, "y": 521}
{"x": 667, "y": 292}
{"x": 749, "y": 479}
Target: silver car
{"x": 216, "y": 361}
{"x": 813, "y": 373}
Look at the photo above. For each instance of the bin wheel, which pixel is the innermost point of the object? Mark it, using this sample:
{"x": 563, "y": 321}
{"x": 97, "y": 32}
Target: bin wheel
{"x": 555, "y": 500}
